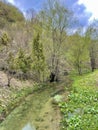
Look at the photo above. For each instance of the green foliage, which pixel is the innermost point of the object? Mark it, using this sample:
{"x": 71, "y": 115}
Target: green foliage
{"x": 4, "y": 39}
{"x": 23, "y": 61}
{"x": 81, "y": 110}
{"x": 91, "y": 41}
{"x": 78, "y": 52}
{"x": 55, "y": 20}
{"x": 11, "y": 61}
{"x": 38, "y": 56}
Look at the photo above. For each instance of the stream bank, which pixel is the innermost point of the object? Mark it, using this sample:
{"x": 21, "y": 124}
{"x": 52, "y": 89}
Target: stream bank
{"x": 35, "y": 111}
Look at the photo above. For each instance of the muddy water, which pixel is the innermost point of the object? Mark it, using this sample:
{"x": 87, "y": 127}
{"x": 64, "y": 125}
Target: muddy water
{"x": 27, "y": 115}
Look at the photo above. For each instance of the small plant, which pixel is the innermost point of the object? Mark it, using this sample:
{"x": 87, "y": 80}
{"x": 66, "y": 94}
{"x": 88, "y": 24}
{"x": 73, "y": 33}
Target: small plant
{"x": 57, "y": 99}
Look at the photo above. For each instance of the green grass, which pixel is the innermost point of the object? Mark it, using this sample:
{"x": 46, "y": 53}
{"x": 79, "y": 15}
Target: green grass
{"x": 80, "y": 112}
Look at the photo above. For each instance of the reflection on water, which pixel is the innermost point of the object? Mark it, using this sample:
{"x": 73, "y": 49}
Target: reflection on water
{"x": 29, "y": 127}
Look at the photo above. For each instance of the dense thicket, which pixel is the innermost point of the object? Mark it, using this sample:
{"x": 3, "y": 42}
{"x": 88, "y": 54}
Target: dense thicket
{"x": 42, "y": 46}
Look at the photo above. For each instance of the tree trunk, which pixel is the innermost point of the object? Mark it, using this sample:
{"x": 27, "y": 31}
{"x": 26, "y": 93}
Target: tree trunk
{"x": 79, "y": 69}
{"x": 93, "y": 64}
{"x": 57, "y": 71}
{"x": 9, "y": 80}
{"x": 92, "y": 59}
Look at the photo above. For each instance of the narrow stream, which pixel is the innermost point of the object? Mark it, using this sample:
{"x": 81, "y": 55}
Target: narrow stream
{"x": 27, "y": 114}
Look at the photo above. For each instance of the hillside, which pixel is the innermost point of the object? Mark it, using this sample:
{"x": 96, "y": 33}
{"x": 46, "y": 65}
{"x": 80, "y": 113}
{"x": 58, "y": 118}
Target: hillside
{"x": 9, "y": 14}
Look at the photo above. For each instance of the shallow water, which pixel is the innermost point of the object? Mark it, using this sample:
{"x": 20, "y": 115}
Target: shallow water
{"x": 28, "y": 111}
{"x": 29, "y": 127}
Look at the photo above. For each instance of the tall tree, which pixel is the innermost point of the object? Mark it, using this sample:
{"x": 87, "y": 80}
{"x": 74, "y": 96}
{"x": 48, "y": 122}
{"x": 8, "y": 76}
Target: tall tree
{"x": 23, "y": 61}
{"x": 38, "y": 57}
{"x": 78, "y": 53}
{"x": 91, "y": 40}
{"x": 55, "y": 20}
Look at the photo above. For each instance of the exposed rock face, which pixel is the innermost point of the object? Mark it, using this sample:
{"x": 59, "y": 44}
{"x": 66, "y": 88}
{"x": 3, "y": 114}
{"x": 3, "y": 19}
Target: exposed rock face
{"x": 14, "y": 82}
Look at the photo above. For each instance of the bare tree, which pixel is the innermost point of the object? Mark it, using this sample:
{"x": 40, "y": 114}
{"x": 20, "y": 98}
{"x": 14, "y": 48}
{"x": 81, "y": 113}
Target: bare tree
{"x": 55, "y": 20}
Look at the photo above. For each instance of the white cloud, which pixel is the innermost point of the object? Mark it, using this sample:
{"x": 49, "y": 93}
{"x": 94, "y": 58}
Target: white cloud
{"x": 11, "y": 1}
{"x": 91, "y": 6}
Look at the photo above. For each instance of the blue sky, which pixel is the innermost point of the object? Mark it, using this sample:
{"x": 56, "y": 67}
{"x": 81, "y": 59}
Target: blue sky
{"x": 24, "y": 5}
{"x": 85, "y": 10}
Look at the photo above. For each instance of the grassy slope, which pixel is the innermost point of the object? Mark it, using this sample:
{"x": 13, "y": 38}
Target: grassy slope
{"x": 81, "y": 110}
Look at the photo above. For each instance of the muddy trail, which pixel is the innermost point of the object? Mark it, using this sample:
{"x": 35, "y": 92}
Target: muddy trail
{"x": 36, "y": 112}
